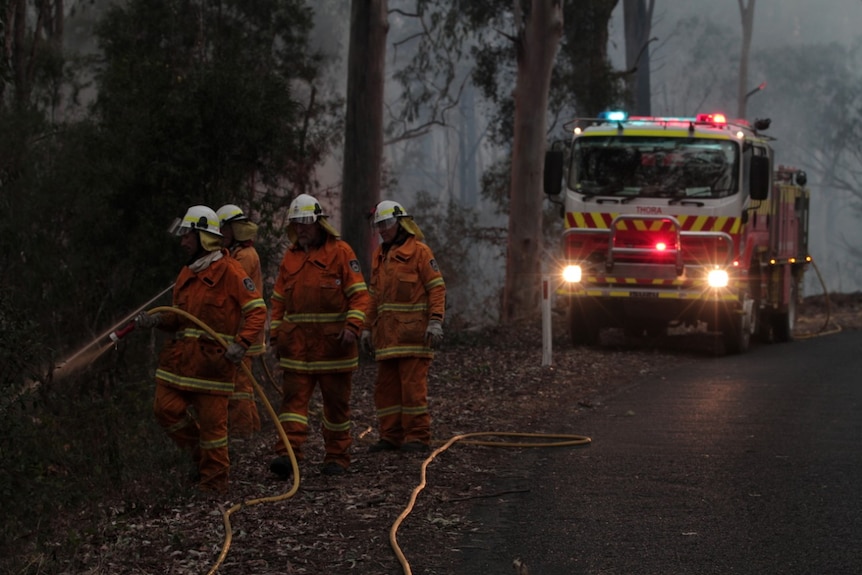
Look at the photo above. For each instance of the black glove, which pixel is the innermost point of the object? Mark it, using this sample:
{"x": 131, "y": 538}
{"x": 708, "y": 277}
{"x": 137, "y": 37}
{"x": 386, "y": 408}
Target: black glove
{"x": 148, "y": 320}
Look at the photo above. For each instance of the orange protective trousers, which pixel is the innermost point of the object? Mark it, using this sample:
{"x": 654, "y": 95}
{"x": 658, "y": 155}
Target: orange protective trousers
{"x": 243, "y": 417}
{"x": 293, "y": 415}
{"x": 401, "y": 398}
{"x": 197, "y": 422}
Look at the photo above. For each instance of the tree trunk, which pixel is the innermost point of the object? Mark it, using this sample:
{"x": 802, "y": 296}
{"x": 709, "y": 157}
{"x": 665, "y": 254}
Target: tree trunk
{"x": 637, "y": 17}
{"x": 363, "y": 138}
{"x": 538, "y": 42}
{"x": 747, "y": 13}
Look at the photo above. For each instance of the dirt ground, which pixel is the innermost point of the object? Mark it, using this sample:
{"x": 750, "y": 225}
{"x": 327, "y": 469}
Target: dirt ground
{"x": 489, "y": 381}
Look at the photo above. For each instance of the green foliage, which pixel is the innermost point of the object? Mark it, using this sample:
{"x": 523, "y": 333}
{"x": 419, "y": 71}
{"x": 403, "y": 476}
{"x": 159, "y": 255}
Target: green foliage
{"x": 195, "y": 103}
{"x": 86, "y": 446}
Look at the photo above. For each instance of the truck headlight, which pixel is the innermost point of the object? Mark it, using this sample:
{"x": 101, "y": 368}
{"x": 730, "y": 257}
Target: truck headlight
{"x": 572, "y": 274}
{"x": 717, "y": 278}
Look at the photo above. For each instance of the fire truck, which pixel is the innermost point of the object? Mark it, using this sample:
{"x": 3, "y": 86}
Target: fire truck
{"x": 678, "y": 222}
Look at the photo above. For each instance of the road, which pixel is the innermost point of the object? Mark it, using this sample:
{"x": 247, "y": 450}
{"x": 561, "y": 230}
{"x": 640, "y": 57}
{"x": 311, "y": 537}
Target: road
{"x": 747, "y": 464}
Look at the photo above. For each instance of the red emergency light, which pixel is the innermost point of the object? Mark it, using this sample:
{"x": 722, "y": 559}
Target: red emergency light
{"x": 717, "y": 118}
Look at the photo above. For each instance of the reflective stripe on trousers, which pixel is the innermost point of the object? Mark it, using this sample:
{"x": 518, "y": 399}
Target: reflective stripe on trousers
{"x": 293, "y": 415}
{"x": 401, "y": 398}
{"x": 204, "y": 435}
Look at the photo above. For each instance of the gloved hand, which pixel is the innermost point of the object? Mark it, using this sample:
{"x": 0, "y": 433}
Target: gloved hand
{"x": 365, "y": 342}
{"x": 148, "y": 320}
{"x": 434, "y": 334}
{"x": 347, "y": 338}
{"x": 234, "y": 352}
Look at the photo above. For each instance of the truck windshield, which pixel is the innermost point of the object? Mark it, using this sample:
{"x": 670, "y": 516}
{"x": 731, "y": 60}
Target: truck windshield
{"x": 654, "y": 167}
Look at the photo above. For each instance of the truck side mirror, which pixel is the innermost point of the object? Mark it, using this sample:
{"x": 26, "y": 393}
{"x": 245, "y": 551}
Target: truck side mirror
{"x": 553, "y": 178}
{"x": 759, "y": 178}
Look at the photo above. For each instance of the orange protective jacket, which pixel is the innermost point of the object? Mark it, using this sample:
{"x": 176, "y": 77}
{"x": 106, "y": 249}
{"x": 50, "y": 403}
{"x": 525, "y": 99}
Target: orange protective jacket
{"x": 247, "y": 256}
{"x": 407, "y": 290}
{"x": 224, "y": 298}
{"x": 318, "y": 294}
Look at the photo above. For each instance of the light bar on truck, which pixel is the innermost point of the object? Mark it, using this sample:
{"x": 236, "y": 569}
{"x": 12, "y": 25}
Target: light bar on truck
{"x": 613, "y": 116}
{"x": 717, "y": 118}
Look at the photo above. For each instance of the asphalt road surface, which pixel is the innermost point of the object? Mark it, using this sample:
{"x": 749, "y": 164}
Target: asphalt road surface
{"x": 747, "y": 464}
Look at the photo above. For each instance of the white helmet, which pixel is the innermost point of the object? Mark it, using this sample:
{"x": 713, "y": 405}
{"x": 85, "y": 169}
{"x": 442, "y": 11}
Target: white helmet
{"x": 200, "y": 218}
{"x": 387, "y": 213}
{"x": 304, "y": 209}
{"x": 230, "y": 213}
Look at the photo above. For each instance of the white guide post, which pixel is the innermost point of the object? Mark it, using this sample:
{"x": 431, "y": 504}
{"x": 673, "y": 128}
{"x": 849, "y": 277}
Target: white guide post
{"x": 547, "y": 358}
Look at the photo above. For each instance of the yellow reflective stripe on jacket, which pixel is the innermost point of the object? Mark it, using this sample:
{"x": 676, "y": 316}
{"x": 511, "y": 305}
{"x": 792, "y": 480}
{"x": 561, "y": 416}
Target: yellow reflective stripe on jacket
{"x": 352, "y": 289}
{"x": 357, "y": 315}
{"x": 253, "y": 304}
{"x": 199, "y": 333}
{"x": 438, "y": 281}
{"x": 316, "y": 317}
{"x": 318, "y": 366}
{"x": 403, "y": 351}
{"x": 341, "y": 317}
{"x": 256, "y": 349}
{"x": 402, "y": 307}
{"x": 193, "y": 383}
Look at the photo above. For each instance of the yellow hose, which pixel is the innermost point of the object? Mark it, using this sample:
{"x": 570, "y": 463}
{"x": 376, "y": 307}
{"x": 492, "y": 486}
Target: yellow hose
{"x": 822, "y": 330}
{"x": 272, "y": 414}
{"x": 569, "y": 440}
{"x": 566, "y": 440}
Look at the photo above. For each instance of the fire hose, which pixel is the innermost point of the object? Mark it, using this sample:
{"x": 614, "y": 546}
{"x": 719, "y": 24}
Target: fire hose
{"x": 259, "y": 390}
{"x": 466, "y": 439}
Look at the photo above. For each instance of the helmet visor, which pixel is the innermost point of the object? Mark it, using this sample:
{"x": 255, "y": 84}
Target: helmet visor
{"x": 303, "y": 220}
{"x": 386, "y": 223}
{"x": 177, "y": 229}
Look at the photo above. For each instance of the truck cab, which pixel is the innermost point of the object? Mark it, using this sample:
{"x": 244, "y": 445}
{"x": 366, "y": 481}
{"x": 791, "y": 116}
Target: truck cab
{"x": 674, "y": 221}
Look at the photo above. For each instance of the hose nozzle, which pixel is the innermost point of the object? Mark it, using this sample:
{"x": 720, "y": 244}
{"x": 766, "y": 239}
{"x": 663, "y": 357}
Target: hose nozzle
{"x": 119, "y": 334}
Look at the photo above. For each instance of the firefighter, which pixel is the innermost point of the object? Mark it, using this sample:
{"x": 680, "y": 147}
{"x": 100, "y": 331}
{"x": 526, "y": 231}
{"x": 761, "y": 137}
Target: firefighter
{"x": 405, "y": 325}
{"x": 318, "y": 308}
{"x": 195, "y": 376}
{"x": 239, "y": 233}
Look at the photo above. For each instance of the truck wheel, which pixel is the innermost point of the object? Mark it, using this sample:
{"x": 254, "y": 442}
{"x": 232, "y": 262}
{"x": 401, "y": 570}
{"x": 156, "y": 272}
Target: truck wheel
{"x": 784, "y": 322}
{"x": 736, "y": 330}
{"x": 583, "y": 327}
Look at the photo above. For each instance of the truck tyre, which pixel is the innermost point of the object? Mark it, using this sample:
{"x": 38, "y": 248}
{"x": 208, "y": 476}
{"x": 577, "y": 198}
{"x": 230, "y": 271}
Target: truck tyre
{"x": 736, "y": 329}
{"x": 784, "y": 322}
{"x": 583, "y": 327}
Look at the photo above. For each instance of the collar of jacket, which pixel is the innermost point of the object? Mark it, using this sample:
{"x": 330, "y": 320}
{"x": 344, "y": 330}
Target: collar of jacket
{"x": 400, "y": 251}
{"x": 210, "y": 276}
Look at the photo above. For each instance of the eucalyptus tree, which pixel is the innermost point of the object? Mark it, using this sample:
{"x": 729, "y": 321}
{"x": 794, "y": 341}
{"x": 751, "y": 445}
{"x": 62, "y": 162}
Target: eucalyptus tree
{"x": 208, "y": 102}
{"x": 529, "y": 33}
{"x": 363, "y": 138}
{"x": 746, "y": 12}
{"x": 637, "y": 22}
